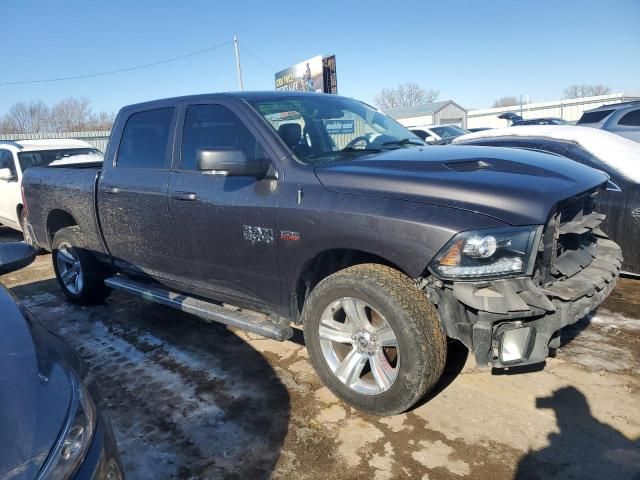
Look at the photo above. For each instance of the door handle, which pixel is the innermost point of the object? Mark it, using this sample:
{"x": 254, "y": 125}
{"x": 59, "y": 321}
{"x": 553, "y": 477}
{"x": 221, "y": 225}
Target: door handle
{"x": 110, "y": 190}
{"x": 185, "y": 196}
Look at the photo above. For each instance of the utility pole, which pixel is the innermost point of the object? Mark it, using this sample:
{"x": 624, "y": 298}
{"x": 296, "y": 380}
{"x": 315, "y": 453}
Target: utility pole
{"x": 238, "y": 70}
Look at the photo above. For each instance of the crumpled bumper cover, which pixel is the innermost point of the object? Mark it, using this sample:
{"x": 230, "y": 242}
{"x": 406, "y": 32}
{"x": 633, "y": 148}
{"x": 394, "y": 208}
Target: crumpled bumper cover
{"x": 491, "y": 305}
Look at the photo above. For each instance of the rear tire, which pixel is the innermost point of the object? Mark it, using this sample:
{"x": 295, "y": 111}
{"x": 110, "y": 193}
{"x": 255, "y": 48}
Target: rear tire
{"x": 374, "y": 339}
{"x": 77, "y": 271}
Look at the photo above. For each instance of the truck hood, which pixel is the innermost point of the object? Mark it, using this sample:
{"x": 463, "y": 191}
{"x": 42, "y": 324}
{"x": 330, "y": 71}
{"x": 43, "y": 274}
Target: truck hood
{"x": 35, "y": 391}
{"x": 519, "y": 187}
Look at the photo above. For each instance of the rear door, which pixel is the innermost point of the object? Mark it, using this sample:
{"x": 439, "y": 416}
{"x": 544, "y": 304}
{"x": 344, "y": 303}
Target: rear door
{"x": 224, "y": 228}
{"x": 132, "y": 193}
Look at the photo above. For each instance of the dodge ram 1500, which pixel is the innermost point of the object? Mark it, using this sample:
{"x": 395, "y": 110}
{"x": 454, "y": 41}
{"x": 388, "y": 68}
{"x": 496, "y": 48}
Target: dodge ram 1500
{"x": 380, "y": 246}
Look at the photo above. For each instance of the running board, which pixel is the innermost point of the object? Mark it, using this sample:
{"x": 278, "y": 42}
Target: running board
{"x": 203, "y": 309}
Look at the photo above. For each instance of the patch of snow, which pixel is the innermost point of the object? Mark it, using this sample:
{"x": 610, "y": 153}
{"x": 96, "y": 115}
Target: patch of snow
{"x": 621, "y": 154}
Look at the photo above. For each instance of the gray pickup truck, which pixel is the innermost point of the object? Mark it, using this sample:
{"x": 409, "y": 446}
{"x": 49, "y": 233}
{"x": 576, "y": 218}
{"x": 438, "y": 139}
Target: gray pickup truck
{"x": 318, "y": 210}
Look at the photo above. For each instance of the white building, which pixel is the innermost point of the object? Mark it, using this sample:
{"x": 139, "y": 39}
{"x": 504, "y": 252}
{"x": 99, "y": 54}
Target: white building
{"x": 436, "y": 113}
{"x": 569, "y": 110}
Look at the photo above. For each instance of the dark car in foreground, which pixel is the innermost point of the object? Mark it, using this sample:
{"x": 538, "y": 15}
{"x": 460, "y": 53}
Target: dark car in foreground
{"x": 614, "y": 155}
{"x": 50, "y": 424}
{"x": 379, "y": 245}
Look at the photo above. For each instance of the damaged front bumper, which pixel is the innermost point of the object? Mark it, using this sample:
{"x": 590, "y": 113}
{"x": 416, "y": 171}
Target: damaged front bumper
{"x": 513, "y": 322}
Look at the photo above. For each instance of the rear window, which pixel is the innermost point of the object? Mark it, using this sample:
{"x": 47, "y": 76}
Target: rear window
{"x": 42, "y": 158}
{"x": 145, "y": 139}
{"x": 594, "y": 117}
{"x": 632, "y": 119}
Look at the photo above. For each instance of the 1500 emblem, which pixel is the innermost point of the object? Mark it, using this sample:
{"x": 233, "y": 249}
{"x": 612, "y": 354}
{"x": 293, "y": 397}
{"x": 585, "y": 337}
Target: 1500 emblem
{"x": 289, "y": 236}
{"x": 257, "y": 234}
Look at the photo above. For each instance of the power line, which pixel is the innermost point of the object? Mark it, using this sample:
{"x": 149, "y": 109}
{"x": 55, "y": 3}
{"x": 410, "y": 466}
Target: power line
{"x": 121, "y": 70}
{"x": 250, "y": 52}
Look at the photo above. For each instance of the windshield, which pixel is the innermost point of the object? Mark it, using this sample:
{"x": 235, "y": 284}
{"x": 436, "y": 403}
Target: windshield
{"x": 327, "y": 128}
{"x": 43, "y": 158}
{"x": 449, "y": 131}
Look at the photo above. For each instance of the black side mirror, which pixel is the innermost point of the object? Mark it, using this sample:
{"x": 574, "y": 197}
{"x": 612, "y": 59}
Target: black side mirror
{"x": 15, "y": 255}
{"x": 229, "y": 162}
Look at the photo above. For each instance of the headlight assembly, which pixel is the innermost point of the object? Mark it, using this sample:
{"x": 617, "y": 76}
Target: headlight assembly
{"x": 495, "y": 252}
{"x": 77, "y": 434}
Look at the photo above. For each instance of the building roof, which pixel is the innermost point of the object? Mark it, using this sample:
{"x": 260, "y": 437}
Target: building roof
{"x": 420, "y": 110}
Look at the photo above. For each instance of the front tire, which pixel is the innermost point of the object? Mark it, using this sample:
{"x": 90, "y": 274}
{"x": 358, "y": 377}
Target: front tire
{"x": 374, "y": 339}
{"x": 77, "y": 271}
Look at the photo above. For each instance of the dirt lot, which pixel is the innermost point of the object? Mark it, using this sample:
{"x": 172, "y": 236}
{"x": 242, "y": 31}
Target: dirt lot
{"x": 189, "y": 399}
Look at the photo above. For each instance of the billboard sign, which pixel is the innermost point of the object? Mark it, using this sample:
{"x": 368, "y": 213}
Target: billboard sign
{"x": 316, "y": 74}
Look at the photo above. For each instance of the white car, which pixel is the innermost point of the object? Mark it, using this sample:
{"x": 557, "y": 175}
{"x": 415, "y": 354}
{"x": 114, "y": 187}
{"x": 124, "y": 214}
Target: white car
{"x": 437, "y": 134}
{"x": 16, "y": 157}
{"x": 621, "y": 118}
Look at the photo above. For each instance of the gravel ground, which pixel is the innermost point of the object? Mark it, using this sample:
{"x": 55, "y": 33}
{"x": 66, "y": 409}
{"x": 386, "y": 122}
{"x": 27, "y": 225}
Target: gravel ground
{"x": 189, "y": 399}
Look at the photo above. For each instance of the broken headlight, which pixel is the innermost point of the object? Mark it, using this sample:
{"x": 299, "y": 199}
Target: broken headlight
{"x": 493, "y": 252}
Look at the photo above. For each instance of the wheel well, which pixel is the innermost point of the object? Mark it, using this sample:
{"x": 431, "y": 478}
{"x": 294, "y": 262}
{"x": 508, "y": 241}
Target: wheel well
{"x": 328, "y": 263}
{"x": 57, "y": 220}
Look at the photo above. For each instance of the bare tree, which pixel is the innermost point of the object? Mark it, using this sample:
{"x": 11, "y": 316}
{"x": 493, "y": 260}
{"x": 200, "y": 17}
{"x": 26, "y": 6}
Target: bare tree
{"x": 29, "y": 117}
{"x": 405, "y": 95}
{"x": 68, "y": 115}
{"x": 580, "y": 91}
{"x": 506, "y": 102}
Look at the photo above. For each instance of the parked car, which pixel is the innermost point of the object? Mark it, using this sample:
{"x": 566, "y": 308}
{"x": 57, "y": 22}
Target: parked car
{"x": 380, "y": 249}
{"x": 16, "y": 157}
{"x": 539, "y": 121}
{"x": 480, "y": 129}
{"x": 438, "y": 134}
{"x": 621, "y": 118}
{"x": 617, "y": 156}
{"x": 51, "y": 426}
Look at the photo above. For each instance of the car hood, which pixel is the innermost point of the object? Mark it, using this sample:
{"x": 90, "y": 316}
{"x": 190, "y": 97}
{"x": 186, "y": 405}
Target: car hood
{"x": 35, "y": 391}
{"x": 518, "y": 187}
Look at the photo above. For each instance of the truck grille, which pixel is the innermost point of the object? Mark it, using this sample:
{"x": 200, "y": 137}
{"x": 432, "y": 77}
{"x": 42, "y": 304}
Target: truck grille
{"x": 569, "y": 244}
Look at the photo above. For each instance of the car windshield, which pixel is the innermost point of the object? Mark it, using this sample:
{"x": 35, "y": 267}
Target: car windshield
{"x": 449, "y": 131}
{"x": 43, "y": 158}
{"x": 328, "y": 128}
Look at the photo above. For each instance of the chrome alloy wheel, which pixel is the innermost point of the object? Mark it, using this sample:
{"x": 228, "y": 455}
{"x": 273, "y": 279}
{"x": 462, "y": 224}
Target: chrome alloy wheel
{"x": 69, "y": 268}
{"x": 359, "y": 346}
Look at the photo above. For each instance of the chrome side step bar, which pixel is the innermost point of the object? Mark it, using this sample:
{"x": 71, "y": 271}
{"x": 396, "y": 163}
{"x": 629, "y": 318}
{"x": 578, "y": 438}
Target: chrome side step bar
{"x": 208, "y": 311}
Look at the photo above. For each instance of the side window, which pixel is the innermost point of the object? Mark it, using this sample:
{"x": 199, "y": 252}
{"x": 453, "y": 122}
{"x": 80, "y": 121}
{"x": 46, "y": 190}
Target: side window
{"x": 631, "y": 119}
{"x": 215, "y": 126}
{"x": 144, "y": 139}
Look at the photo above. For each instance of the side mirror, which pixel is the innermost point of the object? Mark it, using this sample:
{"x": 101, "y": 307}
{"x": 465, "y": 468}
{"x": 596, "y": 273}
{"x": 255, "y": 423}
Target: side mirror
{"x": 229, "y": 162}
{"x": 6, "y": 174}
{"x": 14, "y": 256}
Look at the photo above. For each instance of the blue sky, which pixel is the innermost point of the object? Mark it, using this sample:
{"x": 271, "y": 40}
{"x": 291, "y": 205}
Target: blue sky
{"x": 472, "y": 51}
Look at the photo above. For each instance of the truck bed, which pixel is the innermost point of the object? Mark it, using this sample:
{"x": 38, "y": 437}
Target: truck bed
{"x": 54, "y": 194}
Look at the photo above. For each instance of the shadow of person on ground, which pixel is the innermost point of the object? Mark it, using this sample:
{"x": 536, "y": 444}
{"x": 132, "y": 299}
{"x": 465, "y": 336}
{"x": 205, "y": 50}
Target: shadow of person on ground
{"x": 584, "y": 448}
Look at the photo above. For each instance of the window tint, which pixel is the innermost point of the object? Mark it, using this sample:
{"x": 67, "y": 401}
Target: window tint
{"x": 215, "y": 126}
{"x": 594, "y": 117}
{"x": 631, "y": 118}
{"x": 145, "y": 138}
{"x": 6, "y": 161}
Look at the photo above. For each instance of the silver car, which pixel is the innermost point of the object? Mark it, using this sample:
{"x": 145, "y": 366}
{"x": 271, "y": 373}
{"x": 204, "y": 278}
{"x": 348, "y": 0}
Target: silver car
{"x": 621, "y": 118}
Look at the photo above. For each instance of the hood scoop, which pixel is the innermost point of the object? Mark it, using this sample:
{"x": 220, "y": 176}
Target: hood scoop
{"x": 468, "y": 166}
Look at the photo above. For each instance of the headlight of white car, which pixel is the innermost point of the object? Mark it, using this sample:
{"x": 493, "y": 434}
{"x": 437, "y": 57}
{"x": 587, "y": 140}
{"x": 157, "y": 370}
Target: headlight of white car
{"x": 487, "y": 253}
{"x": 77, "y": 434}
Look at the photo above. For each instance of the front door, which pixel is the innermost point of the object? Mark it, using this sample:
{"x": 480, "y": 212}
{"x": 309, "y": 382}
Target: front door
{"x": 132, "y": 194}
{"x": 223, "y": 228}
{"x": 10, "y": 194}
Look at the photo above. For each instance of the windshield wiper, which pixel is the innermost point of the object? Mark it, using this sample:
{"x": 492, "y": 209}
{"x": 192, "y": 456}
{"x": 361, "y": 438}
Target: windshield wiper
{"x": 404, "y": 141}
{"x": 354, "y": 149}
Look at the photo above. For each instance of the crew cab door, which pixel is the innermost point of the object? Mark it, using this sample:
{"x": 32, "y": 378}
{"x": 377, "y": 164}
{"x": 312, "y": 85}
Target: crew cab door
{"x": 223, "y": 227}
{"x": 132, "y": 192}
{"x": 10, "y": 194}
